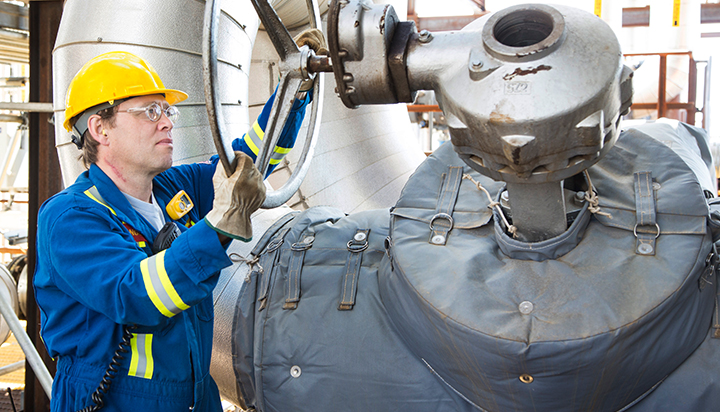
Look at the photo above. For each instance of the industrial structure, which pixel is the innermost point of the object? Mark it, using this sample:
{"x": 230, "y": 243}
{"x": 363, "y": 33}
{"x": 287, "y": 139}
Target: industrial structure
{"x": 556, "y": 254}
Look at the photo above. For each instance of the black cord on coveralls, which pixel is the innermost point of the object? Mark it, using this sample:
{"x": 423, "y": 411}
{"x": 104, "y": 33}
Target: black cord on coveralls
{"x": 164, "y": 239}
{"x": 112, "y": 370}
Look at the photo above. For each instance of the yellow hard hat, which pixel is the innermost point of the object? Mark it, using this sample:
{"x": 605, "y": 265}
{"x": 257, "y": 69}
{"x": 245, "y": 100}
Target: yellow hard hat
{"x": 113, "y": 76}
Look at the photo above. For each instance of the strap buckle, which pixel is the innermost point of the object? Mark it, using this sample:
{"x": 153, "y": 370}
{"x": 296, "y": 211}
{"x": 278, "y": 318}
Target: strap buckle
{"x": 442, "y": 216}
{"x": 657, "y": 227}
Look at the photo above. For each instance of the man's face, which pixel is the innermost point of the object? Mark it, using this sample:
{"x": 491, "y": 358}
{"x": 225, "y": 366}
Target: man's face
{"x": 136, "y": 144}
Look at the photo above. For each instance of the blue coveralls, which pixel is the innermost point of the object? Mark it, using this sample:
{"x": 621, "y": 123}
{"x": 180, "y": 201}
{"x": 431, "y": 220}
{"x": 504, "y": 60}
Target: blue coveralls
{"x": 95, "y": 273}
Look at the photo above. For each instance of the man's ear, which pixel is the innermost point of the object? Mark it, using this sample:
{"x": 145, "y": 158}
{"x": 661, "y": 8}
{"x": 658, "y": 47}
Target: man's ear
{"x": 97, "y": 130}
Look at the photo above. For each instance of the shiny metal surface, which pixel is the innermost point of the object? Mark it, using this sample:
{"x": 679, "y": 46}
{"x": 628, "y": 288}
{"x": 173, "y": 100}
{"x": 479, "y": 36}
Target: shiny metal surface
{"x": 362, "y": 159}
{"x": 359, "y": 37}
{"x": 8, "y": 293}
{"x": 522, "y": 130}
{"x": 532, "y": 94}
{"x": 294, "y": 12}
{"x": 543, "y": 115}
{"x": 363, "y": 156}
{"x": 293, "y": 69}
{"x": 170, "y": 39}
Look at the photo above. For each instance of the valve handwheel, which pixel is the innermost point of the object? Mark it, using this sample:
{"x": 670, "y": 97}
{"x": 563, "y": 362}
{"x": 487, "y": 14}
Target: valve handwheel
{"x": 293, "y": 67}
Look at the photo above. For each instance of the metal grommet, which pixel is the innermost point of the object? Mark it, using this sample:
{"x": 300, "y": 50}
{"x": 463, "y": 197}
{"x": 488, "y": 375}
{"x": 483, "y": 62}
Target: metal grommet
{"x": 656, "y": 186}
{"x": 526, "y": 307}
{"x": 656, "y": 226}
{"x": 645, "y": 249}
{"x": 438, "y": 239}
{"x": 525, "y": 378}
{"x": 359, "y": 237}
{"x": 295, "y": 371}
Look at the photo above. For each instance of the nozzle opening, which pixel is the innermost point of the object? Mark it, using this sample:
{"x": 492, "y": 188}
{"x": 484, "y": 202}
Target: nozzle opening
{"x": 523, "y": 28}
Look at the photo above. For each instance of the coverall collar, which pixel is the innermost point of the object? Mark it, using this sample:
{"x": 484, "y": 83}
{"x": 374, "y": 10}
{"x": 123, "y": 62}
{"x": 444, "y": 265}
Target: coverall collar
{"x": 112, "y": 195}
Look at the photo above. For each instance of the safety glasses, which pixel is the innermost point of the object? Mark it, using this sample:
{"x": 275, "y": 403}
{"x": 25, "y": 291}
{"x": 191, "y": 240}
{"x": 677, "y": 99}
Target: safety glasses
{"x": 154, "y": 111}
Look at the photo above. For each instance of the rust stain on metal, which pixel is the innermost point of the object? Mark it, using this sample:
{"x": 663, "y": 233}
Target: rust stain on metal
{"x": 382, "y": 19}
{"x": 496, "y": 117}
{"x": 521, "y": 72}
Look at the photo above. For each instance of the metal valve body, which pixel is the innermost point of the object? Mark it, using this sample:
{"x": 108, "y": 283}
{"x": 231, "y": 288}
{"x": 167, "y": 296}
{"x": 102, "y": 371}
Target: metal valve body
{"x": 532, "y": 94}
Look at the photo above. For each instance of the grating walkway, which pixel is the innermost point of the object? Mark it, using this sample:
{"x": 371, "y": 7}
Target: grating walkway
{"x": 11, "y": 353}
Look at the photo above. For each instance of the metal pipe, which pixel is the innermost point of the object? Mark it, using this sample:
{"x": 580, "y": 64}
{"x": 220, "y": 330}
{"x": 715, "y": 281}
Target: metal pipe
{"x": 12, "y": 367}
{"x": 538, "y": 210}
{"x": 11, "y": 118}
{"x": 27, "y": 107}
{"x": 31, "y": 354}
{"x": 706, "y": 95}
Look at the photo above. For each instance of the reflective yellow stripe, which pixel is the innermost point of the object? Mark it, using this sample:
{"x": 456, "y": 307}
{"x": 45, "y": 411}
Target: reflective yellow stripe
{"x": 167, "y": 285}
{"x": 93, "y": 194}
{"x": 158, "y": 286}
{"x": 142, "y": 364}
{"x": 258, "y": 130}
{"x": 278, "y": 154}
{"x": 151, "y": 290}
{"x": 251, "y": 144}
{"x": 254, "y": 137}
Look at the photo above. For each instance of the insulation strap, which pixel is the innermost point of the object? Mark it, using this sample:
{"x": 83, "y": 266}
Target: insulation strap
{"x": 709, "y": 278}
{"x": 267, "y": 263}
{"x": 297, "y": 257}
{"x": 271, "y": 232}
{"x": 646, "y": 228}
{"x": 356, "y": 246}
{"x": 442, "y": 222}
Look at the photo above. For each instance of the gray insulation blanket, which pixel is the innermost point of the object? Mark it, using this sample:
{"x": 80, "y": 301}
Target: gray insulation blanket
{"x": 579, "y": 323}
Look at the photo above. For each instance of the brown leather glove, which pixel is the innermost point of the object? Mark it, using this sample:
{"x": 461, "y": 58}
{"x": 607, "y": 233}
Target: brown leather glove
{"x": 314, "y": 39}
{"x": 236, "y": 198}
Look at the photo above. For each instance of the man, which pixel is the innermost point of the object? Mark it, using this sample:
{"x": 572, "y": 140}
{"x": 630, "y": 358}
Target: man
{"x": 124, "y": 297}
